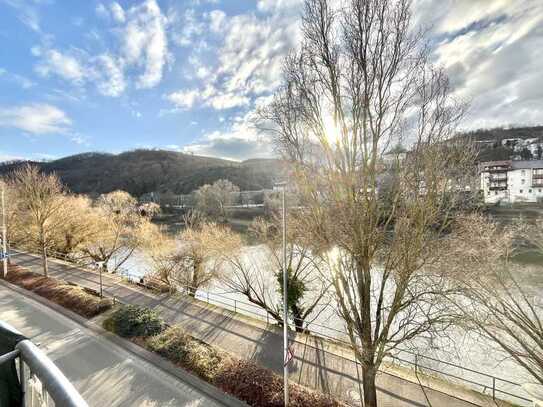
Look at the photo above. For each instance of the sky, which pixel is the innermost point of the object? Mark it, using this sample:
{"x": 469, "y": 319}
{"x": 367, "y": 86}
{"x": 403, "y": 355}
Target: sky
{"x": 187, "y": 76}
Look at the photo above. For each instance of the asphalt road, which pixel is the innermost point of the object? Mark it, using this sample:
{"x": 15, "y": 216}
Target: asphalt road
{"x": 104, "y": 373}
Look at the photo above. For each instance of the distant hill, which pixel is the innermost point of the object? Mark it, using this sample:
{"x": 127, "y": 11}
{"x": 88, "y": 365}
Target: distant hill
{"x": 499, "y": 143}
{"x": 142, "y": 171}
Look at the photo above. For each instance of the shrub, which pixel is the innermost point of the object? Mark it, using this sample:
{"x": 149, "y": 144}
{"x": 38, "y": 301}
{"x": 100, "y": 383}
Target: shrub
{"x": 133, "y": 320}
{"x": 72, "y": 297}
{"x": 262, "y": 387}
{"x": 186, "y": 351}
{"x": 245, "y": 380}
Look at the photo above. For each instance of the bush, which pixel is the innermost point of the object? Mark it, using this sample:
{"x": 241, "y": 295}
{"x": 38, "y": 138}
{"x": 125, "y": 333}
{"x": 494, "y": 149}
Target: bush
{"x": 72, "y": 297}
{"x": 262, "y": 387}
{"x": 187, "y": 352}
{"x": 133, "y": 320}
{"x": 245, "y": 380}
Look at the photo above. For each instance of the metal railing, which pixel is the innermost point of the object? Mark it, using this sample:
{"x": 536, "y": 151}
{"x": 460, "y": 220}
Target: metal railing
{"x": 491, "y": 385}
{"x": 42, "y": 382}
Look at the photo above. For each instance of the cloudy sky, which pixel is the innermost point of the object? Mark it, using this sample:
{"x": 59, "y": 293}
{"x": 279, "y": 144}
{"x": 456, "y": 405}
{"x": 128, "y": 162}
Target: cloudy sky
{"x": 186, "y": 75}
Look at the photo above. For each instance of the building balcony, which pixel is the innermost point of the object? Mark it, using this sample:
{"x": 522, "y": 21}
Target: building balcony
{"x": 497, "y": 177}
{"x": 497, "y": 187}
{"x": 39, "y": 380}
{"x": 537, "y": 175}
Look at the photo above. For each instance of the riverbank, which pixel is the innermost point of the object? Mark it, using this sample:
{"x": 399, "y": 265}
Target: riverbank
{"x": 314, "y": 365}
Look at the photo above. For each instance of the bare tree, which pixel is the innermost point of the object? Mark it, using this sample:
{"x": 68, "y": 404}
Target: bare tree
{"x": 360, "y": 84}
{"x": 116, "y": 223}
{"x": 77, "y": 227}
{"x": 494, "y": 301}
{"x": 39, "y": 205}
{"x": 261, "y": 279}
{"x": 163, "y": 253}
{"x": 199, "y": 254}
{"x": 213, "y": 200}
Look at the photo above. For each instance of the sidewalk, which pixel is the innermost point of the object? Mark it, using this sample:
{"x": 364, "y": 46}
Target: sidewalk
{"x": 313, "y": 366}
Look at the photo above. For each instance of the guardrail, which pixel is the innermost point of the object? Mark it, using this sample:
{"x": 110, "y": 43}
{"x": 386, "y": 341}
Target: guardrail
{"x": 494, "y": 386}
{"x": 42, "y": 382}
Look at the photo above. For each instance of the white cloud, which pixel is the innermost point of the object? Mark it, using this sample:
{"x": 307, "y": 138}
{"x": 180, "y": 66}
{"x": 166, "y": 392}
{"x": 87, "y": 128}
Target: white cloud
{"x": 110, "y": 81}
{"x": 184, "y": 99}
{"x": 239, "y": 142}
{"x": 145, "y": 43}
{"x": 55, "y": 62}
{"x": 493, "y": 57}
{"x": 35, "y": 119}
{"x": 245, "y": 61}
{"x": 27, "y": 12}
{"x": 117, "y": 12}
{"x": 20, "y": 80}
{"x": 143, "y": 52}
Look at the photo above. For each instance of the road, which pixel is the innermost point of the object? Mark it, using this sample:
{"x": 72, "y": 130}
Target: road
{"x": 104, "y": 373}
{"x": 313, "y": 365}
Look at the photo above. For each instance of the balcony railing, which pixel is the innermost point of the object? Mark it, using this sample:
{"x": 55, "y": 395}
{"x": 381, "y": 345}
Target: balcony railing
{"x": 497, "y": 177}
{"x": 41, "y": 381}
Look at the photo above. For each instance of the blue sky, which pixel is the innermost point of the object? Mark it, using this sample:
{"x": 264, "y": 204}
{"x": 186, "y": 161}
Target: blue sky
{"x": 187, "y": 75}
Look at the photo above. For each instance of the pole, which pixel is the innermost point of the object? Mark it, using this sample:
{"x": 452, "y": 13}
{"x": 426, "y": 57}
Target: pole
{"x": 4, "y": 237}
{"x": 285, "y": 299}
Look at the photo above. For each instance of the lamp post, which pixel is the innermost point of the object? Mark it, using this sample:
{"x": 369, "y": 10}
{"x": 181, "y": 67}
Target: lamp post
{"x": 285, "y": 294}
{"x": 4, "y": 237}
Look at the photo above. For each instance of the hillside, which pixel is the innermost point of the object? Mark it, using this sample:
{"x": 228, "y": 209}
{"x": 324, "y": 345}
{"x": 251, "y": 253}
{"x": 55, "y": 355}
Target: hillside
{"x": 143, "y": 171}
{"x": 505, "y": 144}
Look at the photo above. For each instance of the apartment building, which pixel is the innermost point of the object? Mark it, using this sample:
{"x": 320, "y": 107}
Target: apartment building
{"x": 512, "y": 181}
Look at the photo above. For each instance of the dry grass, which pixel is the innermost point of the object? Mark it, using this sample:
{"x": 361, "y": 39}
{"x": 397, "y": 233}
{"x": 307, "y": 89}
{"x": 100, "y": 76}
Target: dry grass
{"x": 71, "y": 297}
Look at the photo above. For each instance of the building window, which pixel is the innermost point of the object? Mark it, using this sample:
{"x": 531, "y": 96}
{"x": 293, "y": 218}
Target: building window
{"x": 496, "y": 193}
{"x": 521, "y": 191}
{"x": 523, "y": 172}
{"x": 539, "y": 190}
{"x": 522, "y": 181}
{"x": 530, "y": 191}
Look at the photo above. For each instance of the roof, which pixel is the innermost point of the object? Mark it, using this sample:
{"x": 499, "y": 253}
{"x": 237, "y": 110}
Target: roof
{"x": 519, "y": 165}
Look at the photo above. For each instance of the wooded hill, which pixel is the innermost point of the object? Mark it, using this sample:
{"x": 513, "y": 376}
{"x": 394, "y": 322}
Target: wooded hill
{"x": 490, "y": 141}
{"x": 142, "y": 171}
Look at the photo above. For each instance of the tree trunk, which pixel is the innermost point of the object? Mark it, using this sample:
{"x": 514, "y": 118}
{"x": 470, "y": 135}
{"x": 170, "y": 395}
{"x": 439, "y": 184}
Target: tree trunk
{"x": 194, "y": 284}
{"x": 44, "y": 260}
{"x": 370, "y": 391}
{"x": 298, "y": 318}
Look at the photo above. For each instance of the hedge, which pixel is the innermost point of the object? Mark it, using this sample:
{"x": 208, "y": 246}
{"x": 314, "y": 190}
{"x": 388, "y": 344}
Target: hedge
{"x": 69, "y": 296}
{"x": 132, "y": 320}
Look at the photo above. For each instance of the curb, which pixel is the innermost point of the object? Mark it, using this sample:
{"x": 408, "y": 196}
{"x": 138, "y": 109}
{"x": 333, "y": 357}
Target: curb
{"x": 156, "y": 360}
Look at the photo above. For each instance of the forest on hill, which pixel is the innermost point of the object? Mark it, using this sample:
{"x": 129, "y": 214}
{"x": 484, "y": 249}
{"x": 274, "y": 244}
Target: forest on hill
{"x": 142, "y": 171}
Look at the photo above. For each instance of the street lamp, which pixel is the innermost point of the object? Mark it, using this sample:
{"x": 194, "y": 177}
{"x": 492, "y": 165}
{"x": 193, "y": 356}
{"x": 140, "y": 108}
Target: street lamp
{"x": 283, "y": 186}
{"x": 4, "y": 237}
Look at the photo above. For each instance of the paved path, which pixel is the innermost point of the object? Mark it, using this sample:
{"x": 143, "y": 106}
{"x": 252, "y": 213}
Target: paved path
{"x": 104, "y": 373}
{"x": 313, "y": 366}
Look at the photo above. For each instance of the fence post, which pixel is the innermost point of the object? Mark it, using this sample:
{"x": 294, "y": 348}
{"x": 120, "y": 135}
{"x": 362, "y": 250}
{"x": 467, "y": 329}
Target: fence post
{"x": 207, "y": 296}
{"x": 416, "y": 362}
{"x": 493, "y": 388}
{"x": 235, "y": 306}
{"x": 267, "y": 318}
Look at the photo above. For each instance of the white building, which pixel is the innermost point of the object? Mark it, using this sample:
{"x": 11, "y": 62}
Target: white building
{"x": 512, "y": 181}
